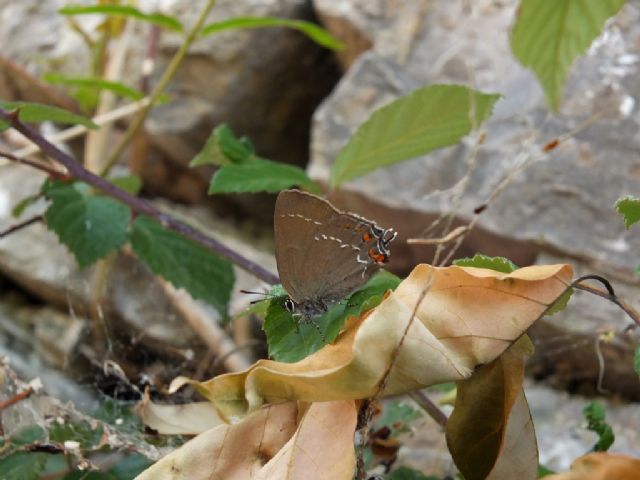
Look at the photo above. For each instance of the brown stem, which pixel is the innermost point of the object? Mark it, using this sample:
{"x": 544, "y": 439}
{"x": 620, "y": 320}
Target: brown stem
{"x": 18, "y": 397}
{"x": 54, "y": 173}
{"x": 20, "y": 226}
{"x": 139, "y": 205}
{"x": 609, "y": 294}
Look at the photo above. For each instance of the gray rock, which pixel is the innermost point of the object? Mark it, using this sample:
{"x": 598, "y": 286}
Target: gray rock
{"x": 560, "y": 205}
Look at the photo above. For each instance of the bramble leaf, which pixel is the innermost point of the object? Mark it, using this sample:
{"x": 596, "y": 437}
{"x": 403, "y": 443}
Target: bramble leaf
{"x": 89, "y": 225}
{"x": 183, "y": 262}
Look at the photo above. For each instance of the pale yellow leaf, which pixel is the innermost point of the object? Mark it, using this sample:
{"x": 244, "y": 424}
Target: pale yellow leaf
{"x": 602, "y": 466}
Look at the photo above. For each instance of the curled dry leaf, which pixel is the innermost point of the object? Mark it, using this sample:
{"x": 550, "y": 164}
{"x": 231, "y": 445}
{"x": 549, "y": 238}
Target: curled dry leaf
{"x": 490, "y": 433}
{"x": 188, "y": 419}
{"x": 601, "y": 466}
{"x": 468, "y": 317}
{"x": 287, "y": 441}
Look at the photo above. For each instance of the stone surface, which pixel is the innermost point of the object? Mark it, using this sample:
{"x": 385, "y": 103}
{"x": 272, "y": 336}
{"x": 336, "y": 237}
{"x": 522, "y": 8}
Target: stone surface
{"x": 560, "y": 205}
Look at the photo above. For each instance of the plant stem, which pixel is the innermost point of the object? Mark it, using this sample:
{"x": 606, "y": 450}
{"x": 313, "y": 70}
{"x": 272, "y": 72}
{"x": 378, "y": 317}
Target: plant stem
{"x": 139, "y": 205}
{"x": 159, "y": 88}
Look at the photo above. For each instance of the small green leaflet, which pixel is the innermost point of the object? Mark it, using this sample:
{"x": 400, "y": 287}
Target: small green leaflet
{"x": 428, "y": 118}
{"x": 183, "y": 262}
{"x": 499, "y": 264}
{"x": 37, "y": 112}
{"x": 594, "y": 414}
{"x": 629, "y": 208}
{"x": 89, "y": 225}
{"x": 548, "y": 36}
{"x": 165, "y": 21}
{"x": 224, "y": 148}
{"x": 561, "y": 303}
{"x": 311, "y": 30}
{"x": 258, "y": 176}
{"x": 397, "y": 416}
{"x": 98, "y": 83}
{"x": 129, "y": 183}
{"x": 636, "y": 360}
{"x": 291, "y": 340}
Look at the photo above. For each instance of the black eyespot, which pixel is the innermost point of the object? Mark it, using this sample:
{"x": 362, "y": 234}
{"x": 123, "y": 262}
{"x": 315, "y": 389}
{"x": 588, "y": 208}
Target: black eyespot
{"x": 290, "y": 305}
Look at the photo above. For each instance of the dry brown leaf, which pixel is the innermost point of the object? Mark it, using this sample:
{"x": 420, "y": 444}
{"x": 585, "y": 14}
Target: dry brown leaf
{"x": 276, "y": 442}
{"x": 490, "y": 433}
{"x": 187, "y": 419}
{"x": 468, "y": 317}
{"x": 601, "y": 466}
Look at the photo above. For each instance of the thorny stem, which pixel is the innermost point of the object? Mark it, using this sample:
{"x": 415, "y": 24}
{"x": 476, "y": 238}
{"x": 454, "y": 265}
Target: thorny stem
{"x": 159, "y": 88}
{"x": 139, "y": 205}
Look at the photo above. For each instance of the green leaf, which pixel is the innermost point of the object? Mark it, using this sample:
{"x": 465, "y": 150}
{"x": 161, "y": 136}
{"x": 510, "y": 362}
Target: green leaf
{"x": 428, "y": 118}
{"x": 97, "y": 83}
{"x": 258, "y": 176}
{"x": 89, "y": 225}
{"x": 397, "y": 416}
{"x": 129, "y": 183}
{"x": 594, "y": 414}
{"x": 129, "y": 467}
{"x": 25, "y": 203}
{"x": 499, "y": 264}
{"x": 224, "y": 148}
{"x": 548, "y": 36}
{"x": 81, "y": 432}
{"x": 183, "y": 262}
{"x": 290, "y": 340}
{"x": 406, "y": 473}
{"x": 561, "y": 303}
{"x": 30, "y": 112}
{"x": 629, "y": 208}
{"x": 636, "y": 360}
{"x": 311, "y": 30}
{"x": 22, "y": 465}
{"x": 544, "y": 471}
{"x": 165, "y": 21}
{"x": 30, "y": 434}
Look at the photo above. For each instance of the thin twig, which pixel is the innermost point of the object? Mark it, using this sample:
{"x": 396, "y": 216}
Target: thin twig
{"x": 428, "y": 406}
{"x": 139, "y": 205}
{"x": 20, "y": 226}
{"x": 158, "y": 90}
{"x": 609, "y": 294}
{"x": 18, "y": 397}
{"x": 52, "y": 172}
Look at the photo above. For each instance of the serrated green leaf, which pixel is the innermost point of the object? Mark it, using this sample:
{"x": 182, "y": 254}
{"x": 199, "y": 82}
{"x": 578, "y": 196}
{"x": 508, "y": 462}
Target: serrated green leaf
{"x": 406, "y": 473}
{"x": 22, "y": 465}
{"x": 258, "y": 176}
{"x": 29, "y": 112}
{"x": 97, "y": 83}
{"x": 89, "y": 225}
{"x": 165, "y": 21}
{"x": 594, "y": 414}
{"x": 499, "y": 264}
{"x": 316, "y": 33}
{"x": 224, "y": 148}
{"x": 428, "y": 118}
{"x": 548, "y": 36}
{"x": 129, "y": 183}
{"x": 183, "y": 262}
{"x": 629, "y": 208}
{"x": 397, "y": 415}
{"x": 290, "y": 340}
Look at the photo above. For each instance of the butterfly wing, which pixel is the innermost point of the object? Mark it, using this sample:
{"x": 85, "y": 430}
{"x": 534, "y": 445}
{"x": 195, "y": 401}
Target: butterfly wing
{"x": 321, "y": 253}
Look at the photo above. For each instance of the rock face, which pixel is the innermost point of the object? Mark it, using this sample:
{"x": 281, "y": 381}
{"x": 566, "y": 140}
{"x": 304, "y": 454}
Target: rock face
{"x": 561, "y": 204}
